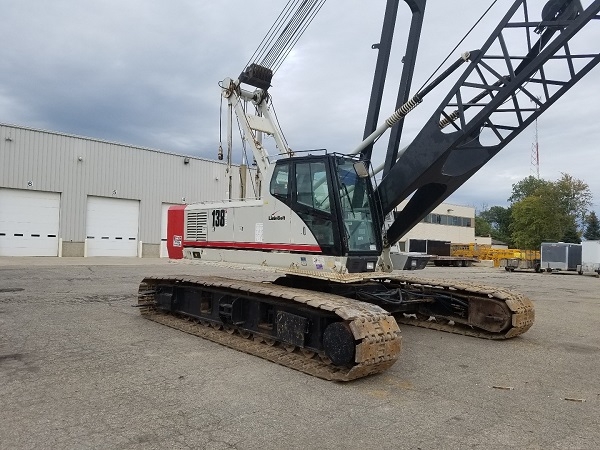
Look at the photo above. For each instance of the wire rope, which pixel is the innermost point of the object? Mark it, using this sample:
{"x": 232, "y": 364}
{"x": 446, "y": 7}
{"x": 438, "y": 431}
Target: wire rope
{"x": 285, "y": 54}
{"x": 458, "y": 44}
{"x": 287, "y": 148}
{"x": 244, "y": 151}
{"x": 266, "y": 41}
{"x": 285, "y": 32}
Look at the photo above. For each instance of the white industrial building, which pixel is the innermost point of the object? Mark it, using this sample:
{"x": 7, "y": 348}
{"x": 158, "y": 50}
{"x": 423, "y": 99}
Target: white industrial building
{"x": 65, "y": 195}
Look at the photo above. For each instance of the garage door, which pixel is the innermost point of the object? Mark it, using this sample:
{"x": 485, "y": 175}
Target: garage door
{"x": 29, "y": 223}
{"x": 112, "y": 226}
{"x": 163, "y": 229}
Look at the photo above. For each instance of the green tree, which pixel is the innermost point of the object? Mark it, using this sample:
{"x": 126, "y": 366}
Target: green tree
{"x": 548, "y": 211}
{"x": 592, "y": 227}
{"x": 526, "y": 188}
{"x": 571, "y": 234}
{"x": 575, "y": 196}
{"x": 482, "y": 227}
{"x": 499, "y": 220}
{"x": 536, "y": 219}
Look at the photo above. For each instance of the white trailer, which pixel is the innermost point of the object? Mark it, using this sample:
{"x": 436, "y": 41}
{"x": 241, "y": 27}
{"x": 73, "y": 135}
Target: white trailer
{"x": 590, "y": 257}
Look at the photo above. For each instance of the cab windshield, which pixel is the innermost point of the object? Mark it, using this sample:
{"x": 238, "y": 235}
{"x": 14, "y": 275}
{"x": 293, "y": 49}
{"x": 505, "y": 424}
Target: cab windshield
{"x": 356, "y": 211}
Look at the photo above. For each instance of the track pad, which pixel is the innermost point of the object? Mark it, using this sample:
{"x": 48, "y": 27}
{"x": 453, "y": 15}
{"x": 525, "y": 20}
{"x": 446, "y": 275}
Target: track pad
{"x": 291, "y": 328}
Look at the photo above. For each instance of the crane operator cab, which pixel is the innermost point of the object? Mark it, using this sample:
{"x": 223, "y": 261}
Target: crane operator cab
{"x": 333, "y": 196}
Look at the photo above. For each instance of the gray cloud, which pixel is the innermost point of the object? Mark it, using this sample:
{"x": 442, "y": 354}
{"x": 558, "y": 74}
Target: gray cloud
{"x": 146, "y": 74}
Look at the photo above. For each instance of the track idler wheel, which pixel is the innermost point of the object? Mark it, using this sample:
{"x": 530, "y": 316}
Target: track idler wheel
{"x": 339, "y": 344}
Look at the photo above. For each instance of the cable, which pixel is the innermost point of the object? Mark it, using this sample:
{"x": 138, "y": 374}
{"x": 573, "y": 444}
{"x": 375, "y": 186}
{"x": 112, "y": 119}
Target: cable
{"x": 284, "y": 38}
{"x": 220, "y": 151}
{"x": 274, "y": 31}
{"x": 267, "y": 39}
{"x": 221, "y": 120}
{"x": 287, "y": 148}
{"x": 285, "y": 32}
{"x": 245, "y": 152}
{"x": 459, "y": 43}
{"x": 298, "y": 36}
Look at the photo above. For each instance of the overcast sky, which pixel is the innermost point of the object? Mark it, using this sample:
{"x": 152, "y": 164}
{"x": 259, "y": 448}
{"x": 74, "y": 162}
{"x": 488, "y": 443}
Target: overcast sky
{"x": 146, "y": 73}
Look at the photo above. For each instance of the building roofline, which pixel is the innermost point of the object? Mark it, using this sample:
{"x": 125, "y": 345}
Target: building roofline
{"x": 103, "y": 141}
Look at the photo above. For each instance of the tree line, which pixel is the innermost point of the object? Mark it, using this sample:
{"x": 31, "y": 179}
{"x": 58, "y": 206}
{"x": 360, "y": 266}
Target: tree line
{"x": 542, "y": 211}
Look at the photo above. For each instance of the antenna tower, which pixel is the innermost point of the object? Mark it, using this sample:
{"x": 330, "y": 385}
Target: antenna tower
{"x": 535, "y": 154}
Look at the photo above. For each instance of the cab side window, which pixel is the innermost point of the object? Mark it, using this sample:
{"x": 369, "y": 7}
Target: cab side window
{"x": 312, "y": 189}
{"x": 279, "y": 186}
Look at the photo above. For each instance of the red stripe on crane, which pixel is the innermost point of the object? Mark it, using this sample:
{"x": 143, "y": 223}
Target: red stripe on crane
{"x": 262, "y": 246}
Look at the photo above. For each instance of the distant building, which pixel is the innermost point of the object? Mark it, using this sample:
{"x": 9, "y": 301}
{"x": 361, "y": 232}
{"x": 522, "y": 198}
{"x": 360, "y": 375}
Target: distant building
{"x": 447, "y": 222}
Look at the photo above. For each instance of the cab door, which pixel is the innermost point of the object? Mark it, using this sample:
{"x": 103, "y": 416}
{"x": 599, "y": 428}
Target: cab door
{"x": 314, "y": 202}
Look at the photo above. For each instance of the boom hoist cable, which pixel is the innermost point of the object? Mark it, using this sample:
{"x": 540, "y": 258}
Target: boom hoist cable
{"x": 459, "y": 43}
{"x": 279, "y": 41}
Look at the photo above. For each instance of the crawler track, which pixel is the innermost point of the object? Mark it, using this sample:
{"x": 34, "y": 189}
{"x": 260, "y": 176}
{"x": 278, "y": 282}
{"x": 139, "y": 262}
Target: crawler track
{"x": 522, "y": 314}
{"x": 375, "y": 332}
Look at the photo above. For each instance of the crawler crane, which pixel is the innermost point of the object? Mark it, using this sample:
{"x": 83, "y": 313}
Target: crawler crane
{"x": 322, "y": 220}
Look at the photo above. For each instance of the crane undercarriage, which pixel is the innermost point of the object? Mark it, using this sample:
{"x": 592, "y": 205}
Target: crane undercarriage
{"x": 330, "y": 329}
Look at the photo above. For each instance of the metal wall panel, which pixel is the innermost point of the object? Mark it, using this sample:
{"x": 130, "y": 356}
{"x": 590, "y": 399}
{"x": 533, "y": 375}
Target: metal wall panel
{"x": 77, "y": 167}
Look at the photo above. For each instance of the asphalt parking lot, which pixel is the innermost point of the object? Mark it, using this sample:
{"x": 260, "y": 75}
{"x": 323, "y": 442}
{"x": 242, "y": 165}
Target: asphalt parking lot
{"x": 79, "y": 368}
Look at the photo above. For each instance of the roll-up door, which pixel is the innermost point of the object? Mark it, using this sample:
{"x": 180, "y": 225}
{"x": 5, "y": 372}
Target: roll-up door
{"x": 29, "y": 222}
{"x": 112, "y": 226}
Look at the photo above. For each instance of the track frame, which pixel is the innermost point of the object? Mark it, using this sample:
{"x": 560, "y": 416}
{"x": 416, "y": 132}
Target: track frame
{"x": 327, "y": 336}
